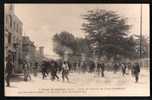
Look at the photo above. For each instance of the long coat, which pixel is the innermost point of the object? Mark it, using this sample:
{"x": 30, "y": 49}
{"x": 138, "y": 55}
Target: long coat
{"x": 9, "y": 67}
{"x": 136, "y": 68}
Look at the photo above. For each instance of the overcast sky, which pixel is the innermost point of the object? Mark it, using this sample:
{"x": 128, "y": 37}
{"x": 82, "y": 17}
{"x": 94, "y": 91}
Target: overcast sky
{"x": 42, "y": 21}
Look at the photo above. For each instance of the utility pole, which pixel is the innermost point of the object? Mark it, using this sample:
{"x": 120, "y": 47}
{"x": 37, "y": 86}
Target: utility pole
{"x": 140, "y": 29}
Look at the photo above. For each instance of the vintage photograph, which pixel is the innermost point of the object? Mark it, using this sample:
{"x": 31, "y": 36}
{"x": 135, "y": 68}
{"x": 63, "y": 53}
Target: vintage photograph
{"x": 77, "y": 50}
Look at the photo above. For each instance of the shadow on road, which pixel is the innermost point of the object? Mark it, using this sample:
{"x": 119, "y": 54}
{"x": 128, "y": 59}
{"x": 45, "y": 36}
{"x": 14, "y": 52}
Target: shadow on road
{"x": 17, "y": 78}
{"x": 12, "y": 86}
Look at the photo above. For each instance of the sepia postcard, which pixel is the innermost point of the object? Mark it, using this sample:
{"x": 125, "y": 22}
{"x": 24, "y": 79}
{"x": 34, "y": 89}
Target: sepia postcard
{"x": 77, "y": 50}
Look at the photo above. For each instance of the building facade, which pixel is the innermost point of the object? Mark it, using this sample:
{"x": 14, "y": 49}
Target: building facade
{"x": 8, "y": 29}
{"x": 13, "y": 29}
{"x": 31, "y": 54}
{"x": 21, "y": 47}
{"x": 28, "y": 50}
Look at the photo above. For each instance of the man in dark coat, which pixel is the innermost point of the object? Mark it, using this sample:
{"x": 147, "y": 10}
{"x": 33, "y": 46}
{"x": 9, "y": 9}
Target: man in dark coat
{"x": 44, "y": 67}
{"x": 9, "y": 70}
{"x": 54, "y": 69}
{"x": 100, "y": 68}
{"x": 123, "y": 66}
{"x": 136, "y": 71}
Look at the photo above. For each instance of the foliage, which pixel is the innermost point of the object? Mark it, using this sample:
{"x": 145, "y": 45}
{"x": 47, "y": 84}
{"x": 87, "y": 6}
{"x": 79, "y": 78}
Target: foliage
{"x": 108, "y": 34}
{"x": 64, "y": 41}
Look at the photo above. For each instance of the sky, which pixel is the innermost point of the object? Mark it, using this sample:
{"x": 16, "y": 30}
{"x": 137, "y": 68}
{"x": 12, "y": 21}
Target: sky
{"x": 42, "y": 21}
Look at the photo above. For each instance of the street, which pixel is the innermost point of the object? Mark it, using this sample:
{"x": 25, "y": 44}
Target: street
{"x": 80, "y": 84}
{"x": 77, "y": 40}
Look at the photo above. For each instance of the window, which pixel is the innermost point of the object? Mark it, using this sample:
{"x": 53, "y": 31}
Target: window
{"x": 11, "y": 21}
{"x": 17, "y": 28}
{"x": 7, "y": 20}
{"x": 9, "y": 38}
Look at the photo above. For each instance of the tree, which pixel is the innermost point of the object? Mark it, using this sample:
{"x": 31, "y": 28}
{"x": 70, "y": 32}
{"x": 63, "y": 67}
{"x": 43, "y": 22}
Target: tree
{"x": 64, "y": 41}
{"x": 82, "y": 46}
{"x": 108, "y": 34}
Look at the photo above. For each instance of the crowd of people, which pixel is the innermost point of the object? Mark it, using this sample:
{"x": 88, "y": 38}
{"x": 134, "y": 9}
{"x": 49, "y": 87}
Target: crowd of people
{"x": 53, "y": 67}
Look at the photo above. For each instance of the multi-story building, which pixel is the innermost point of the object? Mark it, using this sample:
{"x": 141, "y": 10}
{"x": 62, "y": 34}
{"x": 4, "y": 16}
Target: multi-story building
{"x": 28, "y": 50}
{"x": 8, "y": 28}
{"x": 13, "y": 35}
{"x": 30, "y": 53}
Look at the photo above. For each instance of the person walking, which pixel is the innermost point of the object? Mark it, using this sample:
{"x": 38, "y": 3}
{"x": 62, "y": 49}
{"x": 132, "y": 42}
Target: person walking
{"x": 136, "y": 71}
{"x": 65, "y": 71}
{"x": 9, "y": 70}
{"x": 123, "y": 66}
{"x": 100, "y": 69}
{"x": 54, "y": 69}
{"x": 26, "y": 69}
{"x": 129, "y": 67}
{"x": 44, "y": 69}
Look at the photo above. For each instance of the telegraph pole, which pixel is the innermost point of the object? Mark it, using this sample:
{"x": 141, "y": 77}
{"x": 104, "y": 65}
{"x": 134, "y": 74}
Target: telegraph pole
{"x": 140, "y": 32}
